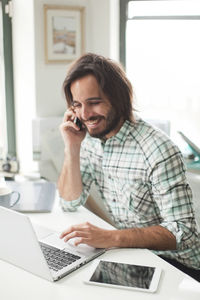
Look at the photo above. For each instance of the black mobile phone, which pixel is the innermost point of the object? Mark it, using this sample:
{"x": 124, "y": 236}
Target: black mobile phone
{"x": 78, "y": 122}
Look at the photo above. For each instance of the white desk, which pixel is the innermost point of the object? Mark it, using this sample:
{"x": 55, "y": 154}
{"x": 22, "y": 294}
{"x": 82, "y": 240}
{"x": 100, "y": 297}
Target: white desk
{"x": 17, "y": 284}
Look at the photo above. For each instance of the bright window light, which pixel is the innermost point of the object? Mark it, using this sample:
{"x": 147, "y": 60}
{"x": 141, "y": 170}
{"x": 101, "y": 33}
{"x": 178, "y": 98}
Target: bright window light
{"x": 163, "y": 8}
{"x": 163, "y": 64}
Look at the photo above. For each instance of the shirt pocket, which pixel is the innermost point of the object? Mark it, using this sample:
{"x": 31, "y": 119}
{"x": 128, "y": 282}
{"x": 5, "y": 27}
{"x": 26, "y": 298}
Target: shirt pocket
{"x": 137, "y": 197}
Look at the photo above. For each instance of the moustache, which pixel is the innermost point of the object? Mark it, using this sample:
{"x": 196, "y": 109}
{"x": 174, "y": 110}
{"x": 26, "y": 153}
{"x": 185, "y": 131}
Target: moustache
{"x": 92, "y": 119}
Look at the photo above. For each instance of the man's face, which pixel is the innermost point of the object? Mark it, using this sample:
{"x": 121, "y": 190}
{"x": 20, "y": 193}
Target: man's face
{"x": 94, "y": 109}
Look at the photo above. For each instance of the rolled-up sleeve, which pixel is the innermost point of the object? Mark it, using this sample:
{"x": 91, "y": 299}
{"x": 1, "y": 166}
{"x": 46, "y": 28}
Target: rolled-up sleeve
{"x": 173, "y": 196}
{"x": 87, "y": 179}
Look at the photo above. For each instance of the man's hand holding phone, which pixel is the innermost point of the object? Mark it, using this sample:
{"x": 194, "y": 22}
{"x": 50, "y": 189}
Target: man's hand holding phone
{"x": 72, "y": 130}
{"x": 70, "y": 182}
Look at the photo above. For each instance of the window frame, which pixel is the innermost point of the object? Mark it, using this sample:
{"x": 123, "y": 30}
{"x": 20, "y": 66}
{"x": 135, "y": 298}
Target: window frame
{"x": 122, "y": 40}
{"x": 9, "y": 82}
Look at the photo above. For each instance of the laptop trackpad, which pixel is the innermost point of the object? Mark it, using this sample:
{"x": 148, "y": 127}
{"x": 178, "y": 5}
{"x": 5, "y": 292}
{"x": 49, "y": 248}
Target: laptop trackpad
{"x": 41, "y": 231}
{"x": 54, "y": 240}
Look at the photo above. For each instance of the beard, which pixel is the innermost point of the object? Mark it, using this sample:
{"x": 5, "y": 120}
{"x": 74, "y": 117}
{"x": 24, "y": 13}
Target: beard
{"x": 111, "y": 120}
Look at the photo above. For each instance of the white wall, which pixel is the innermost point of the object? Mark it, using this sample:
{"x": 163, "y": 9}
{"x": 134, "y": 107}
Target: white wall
{"x": 24, "y": 77}
{"x": 38, "y": 86}
{"x": 49, "y": 77}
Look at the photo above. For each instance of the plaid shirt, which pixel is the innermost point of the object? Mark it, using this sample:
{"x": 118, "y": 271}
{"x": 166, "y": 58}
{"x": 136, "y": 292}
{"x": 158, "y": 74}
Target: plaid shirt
{"x": 140, "y": 176}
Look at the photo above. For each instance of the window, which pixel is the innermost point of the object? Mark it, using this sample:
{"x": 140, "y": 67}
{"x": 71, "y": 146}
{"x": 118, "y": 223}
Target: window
{"x": 160, "y": 48}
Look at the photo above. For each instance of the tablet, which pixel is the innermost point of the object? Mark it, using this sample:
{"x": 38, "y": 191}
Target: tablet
{"x": 124, "y": 276}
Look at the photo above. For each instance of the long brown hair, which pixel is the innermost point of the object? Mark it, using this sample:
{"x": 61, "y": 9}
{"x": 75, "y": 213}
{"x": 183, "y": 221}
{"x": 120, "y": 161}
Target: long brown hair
{"x": 111, "y": 78}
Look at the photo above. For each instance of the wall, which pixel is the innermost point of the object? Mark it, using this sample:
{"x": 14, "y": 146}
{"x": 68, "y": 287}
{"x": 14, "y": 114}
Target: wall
{"x": 49, "y": 79}
{"x": 24, "y": 78}
{"x": 37, "y": 84}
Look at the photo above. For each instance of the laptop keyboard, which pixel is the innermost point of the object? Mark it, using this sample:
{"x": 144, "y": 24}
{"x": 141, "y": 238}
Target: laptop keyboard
{"x": 57, "y": 259}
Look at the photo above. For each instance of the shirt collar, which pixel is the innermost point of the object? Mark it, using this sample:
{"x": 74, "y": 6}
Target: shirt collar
{"x": 124, "y": 131}
{"x": 121, "y": 135}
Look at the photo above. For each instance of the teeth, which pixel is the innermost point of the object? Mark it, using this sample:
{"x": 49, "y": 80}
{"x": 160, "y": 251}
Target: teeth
{"x": 92, "y": 122}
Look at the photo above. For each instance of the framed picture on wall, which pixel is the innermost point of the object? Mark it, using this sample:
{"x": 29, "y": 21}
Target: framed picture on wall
{"x": 64, "y": 30}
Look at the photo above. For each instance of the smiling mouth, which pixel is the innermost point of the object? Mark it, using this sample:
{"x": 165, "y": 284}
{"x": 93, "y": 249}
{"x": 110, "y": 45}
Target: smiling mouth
{"x": 93, "y": 122}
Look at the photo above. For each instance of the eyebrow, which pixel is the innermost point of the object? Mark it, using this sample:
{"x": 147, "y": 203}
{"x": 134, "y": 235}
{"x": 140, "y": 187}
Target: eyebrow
{"x": 93, "y": 98}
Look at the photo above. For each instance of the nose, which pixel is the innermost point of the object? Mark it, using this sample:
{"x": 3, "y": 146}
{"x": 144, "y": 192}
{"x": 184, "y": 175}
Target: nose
{"x": 85, "y": 112}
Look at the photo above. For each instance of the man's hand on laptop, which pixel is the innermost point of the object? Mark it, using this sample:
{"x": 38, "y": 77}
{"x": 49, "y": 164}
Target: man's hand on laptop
{"x": 91, "y": 235}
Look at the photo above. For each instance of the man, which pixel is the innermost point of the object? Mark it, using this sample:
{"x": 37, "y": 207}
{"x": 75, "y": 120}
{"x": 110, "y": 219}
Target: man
{"x": 137, "y": 170}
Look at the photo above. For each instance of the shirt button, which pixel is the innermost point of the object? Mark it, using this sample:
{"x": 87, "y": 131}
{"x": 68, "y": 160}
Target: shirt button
{"x": 114, "y": 200}
{"x": 109, "y": 177}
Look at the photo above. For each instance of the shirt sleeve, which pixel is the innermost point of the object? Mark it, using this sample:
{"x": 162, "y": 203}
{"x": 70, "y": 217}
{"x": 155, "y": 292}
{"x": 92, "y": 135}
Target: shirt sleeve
{"x": 173, "y": 195}
{"x": 87, "y": 179}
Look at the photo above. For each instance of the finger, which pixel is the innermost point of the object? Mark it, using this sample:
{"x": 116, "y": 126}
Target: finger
{"x": 68, "y": 125}
{"x": 75, "y": 234}
{"x": 70, "y": 229}
{"x": 81, "y": 240}
{"x": 69, "y": 114}
{"x": 78, "y": 227}
{"x": 65, "y": 232}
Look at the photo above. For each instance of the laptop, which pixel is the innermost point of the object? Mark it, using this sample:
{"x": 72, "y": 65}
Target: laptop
{"x": 35, "y": 196}
{"x": 39, "y": 251}
{"x": 193, "y": 146}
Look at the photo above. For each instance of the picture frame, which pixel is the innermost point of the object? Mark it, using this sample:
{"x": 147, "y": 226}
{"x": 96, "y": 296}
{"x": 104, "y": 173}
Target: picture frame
{"x": 64, "y": 31}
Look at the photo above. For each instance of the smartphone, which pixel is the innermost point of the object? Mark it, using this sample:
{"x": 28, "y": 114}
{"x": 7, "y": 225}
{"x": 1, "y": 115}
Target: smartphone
{"x": 78, "y": 122}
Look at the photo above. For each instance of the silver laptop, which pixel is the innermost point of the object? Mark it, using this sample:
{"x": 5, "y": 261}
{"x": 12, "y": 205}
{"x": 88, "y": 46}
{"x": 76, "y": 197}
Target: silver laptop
{"x": 39, "y": 250}
{"x": 193, "y": 146}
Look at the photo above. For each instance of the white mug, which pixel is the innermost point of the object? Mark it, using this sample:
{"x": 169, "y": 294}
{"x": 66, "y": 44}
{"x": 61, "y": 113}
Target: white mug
{"x": 8, "y": 198}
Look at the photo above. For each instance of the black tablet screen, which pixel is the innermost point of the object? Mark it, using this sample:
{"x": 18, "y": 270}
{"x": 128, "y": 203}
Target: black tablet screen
{"x": 123, "y": 274}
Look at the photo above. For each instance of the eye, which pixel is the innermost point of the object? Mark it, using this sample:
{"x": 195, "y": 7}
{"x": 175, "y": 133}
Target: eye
{"x": 76, "y": 104}
{"x": 94, "y": 103}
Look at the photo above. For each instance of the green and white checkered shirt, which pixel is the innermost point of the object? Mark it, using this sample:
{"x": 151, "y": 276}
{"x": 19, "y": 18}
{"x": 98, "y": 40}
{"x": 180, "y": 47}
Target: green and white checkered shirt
{"x": 140, "y": 176}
